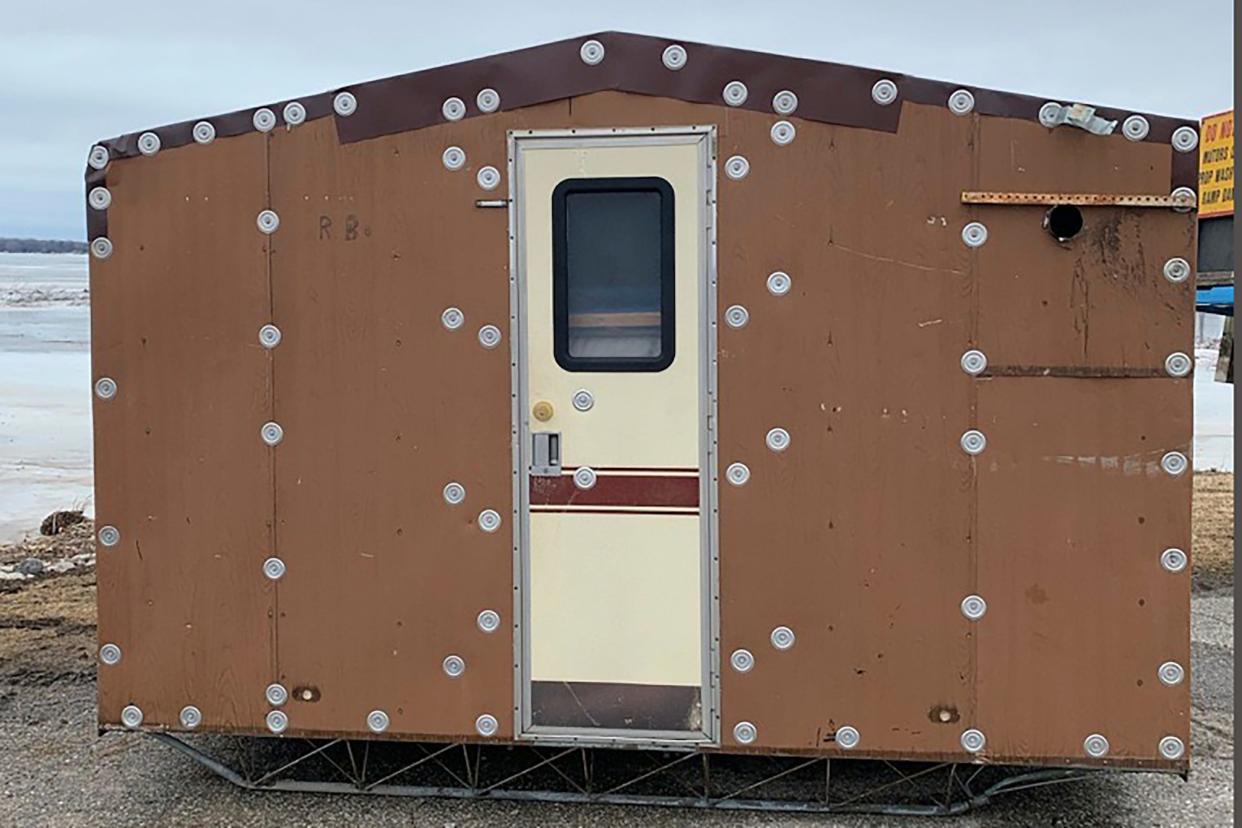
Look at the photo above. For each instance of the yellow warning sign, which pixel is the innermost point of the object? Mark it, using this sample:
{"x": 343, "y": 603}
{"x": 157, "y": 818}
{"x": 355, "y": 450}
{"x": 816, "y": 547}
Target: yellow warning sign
{"x": 1216, "y": 165}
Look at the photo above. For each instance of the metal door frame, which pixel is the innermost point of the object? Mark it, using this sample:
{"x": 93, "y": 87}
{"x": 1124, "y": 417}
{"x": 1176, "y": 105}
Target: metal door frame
{"x": 705, "y": 138}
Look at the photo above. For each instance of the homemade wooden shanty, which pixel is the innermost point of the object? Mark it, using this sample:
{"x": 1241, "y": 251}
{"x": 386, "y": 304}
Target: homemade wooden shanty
{"x": 626, "y": 392}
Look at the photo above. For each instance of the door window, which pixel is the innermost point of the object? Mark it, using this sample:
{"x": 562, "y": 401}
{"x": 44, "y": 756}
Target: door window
{"x": 612, "y": 295}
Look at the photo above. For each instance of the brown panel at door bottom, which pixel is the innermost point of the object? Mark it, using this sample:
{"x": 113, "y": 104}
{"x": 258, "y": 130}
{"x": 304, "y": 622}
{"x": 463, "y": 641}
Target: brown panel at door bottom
{"x": 616, "y": 490}
{"x": 615, "y": 706}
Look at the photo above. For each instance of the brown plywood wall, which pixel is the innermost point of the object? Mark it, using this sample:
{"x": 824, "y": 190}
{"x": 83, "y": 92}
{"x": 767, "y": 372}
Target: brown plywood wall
{"x": 864, "y": 537}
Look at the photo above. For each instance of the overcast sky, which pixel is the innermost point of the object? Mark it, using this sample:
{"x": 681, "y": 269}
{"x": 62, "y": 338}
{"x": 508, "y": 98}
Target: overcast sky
{"x": 73, "y": 71}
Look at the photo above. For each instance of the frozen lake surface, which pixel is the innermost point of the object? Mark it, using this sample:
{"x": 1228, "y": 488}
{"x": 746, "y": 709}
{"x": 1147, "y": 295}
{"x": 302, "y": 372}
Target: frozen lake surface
{"x": 45, "y": 398}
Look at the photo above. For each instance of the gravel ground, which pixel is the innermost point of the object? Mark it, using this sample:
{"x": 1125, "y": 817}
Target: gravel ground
{"x": 55, "y": 770}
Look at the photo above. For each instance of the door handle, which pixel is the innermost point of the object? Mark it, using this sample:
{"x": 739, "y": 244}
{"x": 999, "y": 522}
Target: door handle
{"x": 545, "y": 453}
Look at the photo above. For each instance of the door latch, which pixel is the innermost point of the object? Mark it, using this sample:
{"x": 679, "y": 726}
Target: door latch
{"x": 545, "y": 453}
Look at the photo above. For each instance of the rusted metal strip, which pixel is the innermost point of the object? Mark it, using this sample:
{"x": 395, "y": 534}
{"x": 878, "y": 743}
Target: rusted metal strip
{"x": 1077, "y": 199}
{"x": 1074, "y": 371}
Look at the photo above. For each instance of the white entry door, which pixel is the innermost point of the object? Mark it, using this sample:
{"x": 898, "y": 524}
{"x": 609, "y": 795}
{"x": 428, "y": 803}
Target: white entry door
{"x": 614, "y": 462}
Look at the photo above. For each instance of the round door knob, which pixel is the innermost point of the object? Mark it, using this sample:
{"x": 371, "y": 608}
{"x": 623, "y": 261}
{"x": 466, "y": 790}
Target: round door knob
{"x": 542, "y": 411}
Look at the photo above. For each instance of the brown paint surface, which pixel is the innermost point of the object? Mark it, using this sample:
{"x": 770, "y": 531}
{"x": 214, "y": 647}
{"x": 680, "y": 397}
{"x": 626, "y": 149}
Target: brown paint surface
{"x": 615, "y": 490}
{"x": 863, "y": 537}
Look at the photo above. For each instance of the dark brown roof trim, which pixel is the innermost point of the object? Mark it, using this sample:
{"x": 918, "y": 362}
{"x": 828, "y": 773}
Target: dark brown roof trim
{"x": 831, "y": 93}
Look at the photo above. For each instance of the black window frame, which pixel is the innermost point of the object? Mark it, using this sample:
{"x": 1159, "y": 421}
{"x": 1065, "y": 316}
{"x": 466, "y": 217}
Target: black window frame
{"x": 560, "y": 275}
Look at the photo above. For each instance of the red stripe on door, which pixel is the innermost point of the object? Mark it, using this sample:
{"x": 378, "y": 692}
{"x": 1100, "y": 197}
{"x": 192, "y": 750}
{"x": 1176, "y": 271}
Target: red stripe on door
{"x": 616, "y": 490}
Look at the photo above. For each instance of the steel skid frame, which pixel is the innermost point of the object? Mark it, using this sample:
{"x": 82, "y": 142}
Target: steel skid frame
{"x": 611, "y": 776}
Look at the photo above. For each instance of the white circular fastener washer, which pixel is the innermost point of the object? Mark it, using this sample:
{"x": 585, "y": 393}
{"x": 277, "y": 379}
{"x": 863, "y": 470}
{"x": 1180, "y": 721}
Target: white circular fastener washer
{"x": 779, "y": 283}
{"x": 264, "y": 119}
{"x": 1135, "y": 127}
{"x": 105, "y": 388}
{"x": 377, "y": 721}
{"x": 274, "y": 569}
{"x": 109, "y": 535}
{"x": 974, "y": 362}
{"x": 453, "y": 158}
{"x": 777, "y": 439}
{"x": 148, "y": 143}
{"x": 737, "y": 167}
{"x": 1185, "y": 198}
{"x": 785, "y": 102}
{"x": 592, "y": 53}
{"x": 452, "y": 318}
{"x": 1185, "y": 139}
{"x": 344, "y": 104}
{"x": 97, "y": 158}
{"x": 782, "y": 638}
{"x": 267, "y": 221}
{"x": 585, "y": 478}
{"x": 131, "y": 716}
{"x": 975, "y": 234}
{"x": 737, "y": 474}
{"x": 736, "y": 316}
{"x": 1050, "y": 114}
{"x": 742, "y": 660}
{"x": 488, "y": 621}
{"x": 974, "y": 607}
{"x": 745, "y": 733}
{"x": 486, "y": 725}
{"x": 276, "y": 694}
{"x": 1171, "y": 747}
{"x": 454, "y": 493}
{"x": 101, "y": 247}
{"x": 973, "y": 740}
{"x": 674, "y": 57}
{"x": 99, "y": 198}
{"x": 277, "y": 721}
{"x": 489, "y": 520}
{"x": 272, "y": 433}
{"x": 1178, "y": 364}
{"x": 847, "y": 737}
{"x": 110, "y": 654}
{"x": 1171, "y": 674}
{"x": 269, "y": 336}
{"x": 488, "y": 178}
{"x": 1177, "y": 269}
{"x": 583, "y": 400}
{"x": 1174, "y": 463}
{"x": 190, "y": 716}
{"x": 961, "y": 102}
{"x": 488, "y": 100}
{"x": 489, "y": 336}
{"x": 453, "y": 666}
{"x": 294, "y": 113}
{"x": 1095, "y": 745}
{"x": 783, "y": 133}
{"x": 204, "y": 132}
{"x": 453, "y": 109}
{"x": 974, "y": 442}
{"x": 884, "y": 92}
{"x": 1173, "y": 560}
{"x": 735, "y": 93}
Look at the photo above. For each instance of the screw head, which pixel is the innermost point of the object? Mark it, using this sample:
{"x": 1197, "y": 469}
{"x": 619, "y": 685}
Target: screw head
{"x": 488, "y": 178}
{"x": 488, "y": 621}
{"x": 101, "y": 247}
{"x": 110, "y": 654}
{"x": 267, "y": 222}
{"x": 736, "y": 316}
{"x": 489, "y": 520}
{"x": 974, "y": 607}
{"x": 1173, "y": 560}
{"x": 1177, "y": 269}
{"x": 1135, "y": 128}
{"x": 674, "y": 57}
{"x": 737, "y": 474}
{"x": 777, "y": 439}
{"x": 592, "y": 53}
{"x": 99, "y": 198}
{"x": 735, "y": 93}
{"x": 884, "y": 92}
{"x": 97, "y": 158}
{"x": 454, "y": 158}
{"x": 742, "y": 660}
{"x": 583, "y": 400}
{"x": 452, "y": 318}
{"x": 1171, "y": 747}
{"x": 204, "y": 132}
{"x": 1178, "y": 364}
{"x": 489, "y": 336}
{"x": 294, "y": 113}
{"x": 345, "y": 104}
{"x": 973, "y": 741}
{"x": 486, "y": 725}
{"x": 1050, "y": 114}
{"x": 488, "y": 100}
{"x": 1174, "y": 463}
{"x": 974, "y": 442}
{"x": 975, "y": 234}
{"x": 131, "y": 716}
{"x": 272, "y": 433}
{"x": 264, "y": 119}
{"x": 585, "y": 478}
{"x": 454, "y": 493}
{"x": 1171, "y": 674}
{"x": 847, "y": 737}
{"x": 1095, "y": 745}
{"x": 277, "y": 721}
{"x": 109, "y": 535}
{"x": 785, "y": 102}
{"x": 274, "y": 569}
{"x": 974, "y": 362}
{"x": 745, "y": 733}
{"x": 105, "y": 388}
{"x": 782, "y": 638}
{"x": 783, "y": 133}
{"x": 453, "y": 109}
{"x": 269, "y": 336}
{"x": 737, "y": 167}
{"x": 148, "y": 143}
{"x": 961, "y": 102}
{"x": 453, "y": 665}
{"x": 377, "y": 721}
{"x": 779, "y": 283}
{"x": 1185, "y": 198}
{"x": 1185, "y": 139}
{"x": 276, "y": 694}
{"x": 191, "y": 717}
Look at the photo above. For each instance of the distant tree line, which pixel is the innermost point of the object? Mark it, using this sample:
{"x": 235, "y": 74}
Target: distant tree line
{"x": 40, "y": 246}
